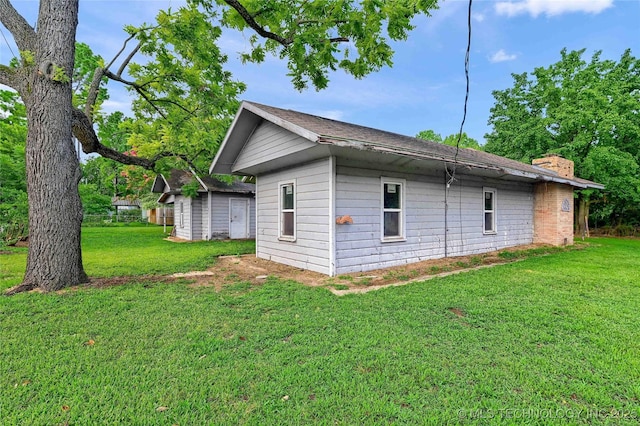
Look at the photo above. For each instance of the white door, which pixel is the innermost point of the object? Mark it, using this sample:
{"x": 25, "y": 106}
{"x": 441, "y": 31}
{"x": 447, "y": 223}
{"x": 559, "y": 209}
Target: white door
{"x": 238, "y": 218}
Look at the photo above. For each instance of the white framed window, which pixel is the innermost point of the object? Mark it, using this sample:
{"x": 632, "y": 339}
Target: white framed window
{"x": 392, "y": 211}
{"x": 181, "y": 214}
{"x": 489, "y": 210}
{"x": 287, "y": 207}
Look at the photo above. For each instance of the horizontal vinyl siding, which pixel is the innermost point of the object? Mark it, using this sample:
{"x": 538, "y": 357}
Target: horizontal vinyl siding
{"x": 311, "y": 248}
{"x": 205, "y": 216}
{"x": 269, "y": 142}
{"x": 358, "y": 245}
{"x": 358, "y": 194}
{"x": 196, "y": 217}
{"x": 220, "y": 214}
{"x": 514, "y": 216}
{"x": 182, "y": 231}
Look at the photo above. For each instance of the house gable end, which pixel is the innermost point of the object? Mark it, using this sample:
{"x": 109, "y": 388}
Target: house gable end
{"x": 244, "y": 124}
{"x": 160, "y": 185}
{"x": 269, "y": 142}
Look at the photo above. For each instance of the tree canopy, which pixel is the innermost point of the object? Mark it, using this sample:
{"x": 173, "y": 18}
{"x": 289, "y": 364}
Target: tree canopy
{"x": 463, "y": 141}
{"x": 586, "y": 111}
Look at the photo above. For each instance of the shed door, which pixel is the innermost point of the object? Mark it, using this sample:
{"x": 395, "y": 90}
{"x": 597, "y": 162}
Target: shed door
{"x": 238, "y": 218}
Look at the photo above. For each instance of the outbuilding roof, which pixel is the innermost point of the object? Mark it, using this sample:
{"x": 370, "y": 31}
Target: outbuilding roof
{"x": 124, "y": 202}
{"x": 173, "y": 184}
{"x": 338, "y": 133}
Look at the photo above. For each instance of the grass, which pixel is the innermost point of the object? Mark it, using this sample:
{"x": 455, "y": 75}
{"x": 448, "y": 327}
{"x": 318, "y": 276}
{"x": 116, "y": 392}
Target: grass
{"x": 548, "y": 340}
{"x": 123, "y": 251}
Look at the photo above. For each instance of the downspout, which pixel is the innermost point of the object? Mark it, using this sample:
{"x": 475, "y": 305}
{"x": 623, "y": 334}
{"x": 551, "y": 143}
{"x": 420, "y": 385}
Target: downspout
{"x": 332, "y": 216}
{"x": 209, "y": 215}
{"x": 446, "y": 211}
{"x": 255, "y": 197}
{"x": 190, "y": 218}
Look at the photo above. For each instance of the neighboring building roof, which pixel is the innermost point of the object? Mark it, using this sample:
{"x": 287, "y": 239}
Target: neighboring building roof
{"x": 123, "y": 202}
{"x": 173, "y": 184}
{"x": 332, "y": 132}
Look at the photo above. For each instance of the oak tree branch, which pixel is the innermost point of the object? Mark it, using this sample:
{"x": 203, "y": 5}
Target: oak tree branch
{"x": 249, "y": 19}
{"x": 128, "y": 59}
{"x": 92, "y": 95}
{"x": 84, "y": 132}
{"x": 23, "y": 34}
{"x": 7, "y": 76}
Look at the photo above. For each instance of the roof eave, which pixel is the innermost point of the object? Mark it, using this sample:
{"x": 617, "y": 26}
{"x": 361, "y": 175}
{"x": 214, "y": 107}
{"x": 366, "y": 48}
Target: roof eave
{"x": 363, "y": 145}
{"x": 555, "y": 179}
{"x": 166, "y": 198}
{"x": 234, "y": 191}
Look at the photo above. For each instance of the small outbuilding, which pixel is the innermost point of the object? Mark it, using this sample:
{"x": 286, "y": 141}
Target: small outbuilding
{"x": 335, "y": 197}
{"x": 219, "y": 210}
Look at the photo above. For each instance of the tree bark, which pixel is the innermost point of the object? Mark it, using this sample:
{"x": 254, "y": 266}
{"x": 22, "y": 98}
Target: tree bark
{"x": 54, "y": 259}
{"x": 582, "y": 216}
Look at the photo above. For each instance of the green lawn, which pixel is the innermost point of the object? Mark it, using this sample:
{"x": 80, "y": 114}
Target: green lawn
{"x": 123, "y": 251}
{"x": 549, "y": 340}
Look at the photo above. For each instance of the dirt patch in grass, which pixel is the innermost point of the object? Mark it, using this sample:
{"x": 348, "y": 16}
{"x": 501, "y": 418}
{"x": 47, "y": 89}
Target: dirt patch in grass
{"x": 249, "y": 268}
{"x": 111, "y": 281}
{"x": 457, "y": 312}
{"x": 230, "y": 270}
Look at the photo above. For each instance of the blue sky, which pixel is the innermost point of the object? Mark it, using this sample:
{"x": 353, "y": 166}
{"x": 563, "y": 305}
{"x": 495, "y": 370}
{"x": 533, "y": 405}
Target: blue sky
{"x": 425, "y": 88}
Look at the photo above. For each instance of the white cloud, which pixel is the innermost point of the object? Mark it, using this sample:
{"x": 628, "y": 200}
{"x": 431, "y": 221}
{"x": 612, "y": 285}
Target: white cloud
{"x": 333, "y": 114}
{"x": 122, "y": 105}
{"x": 502, "y": 56}
{"x": 479, "y": 17}
{"x": 551, "y": 7}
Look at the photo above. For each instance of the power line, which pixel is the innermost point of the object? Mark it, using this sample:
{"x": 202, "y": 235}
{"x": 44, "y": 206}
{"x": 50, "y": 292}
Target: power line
{"x": 466, "y": 95}
{"x": 451, "y": 176}
{"x": 7, "y": 42}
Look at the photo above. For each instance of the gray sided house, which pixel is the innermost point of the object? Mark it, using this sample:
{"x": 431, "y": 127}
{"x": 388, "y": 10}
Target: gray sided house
{"x": 220, "y": 210}
{"x": 335, "y": 197}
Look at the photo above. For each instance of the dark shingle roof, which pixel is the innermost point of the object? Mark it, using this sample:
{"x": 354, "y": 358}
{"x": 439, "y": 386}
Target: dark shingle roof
{"x": 178, "y": 178}
{"x": 124, "y": 202}
{"x": 346, "y": 134}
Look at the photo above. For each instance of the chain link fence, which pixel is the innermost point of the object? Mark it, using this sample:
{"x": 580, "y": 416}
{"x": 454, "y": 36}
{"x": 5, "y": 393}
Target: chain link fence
{"x": 106, "y": 219}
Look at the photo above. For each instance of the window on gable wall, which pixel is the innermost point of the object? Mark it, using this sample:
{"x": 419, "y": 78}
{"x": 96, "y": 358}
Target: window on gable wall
{"x": 392, "y": 209}
{"x": 287, "y": 211}
{"x": 489, "y": 217}
{"x": 181, "y": 214}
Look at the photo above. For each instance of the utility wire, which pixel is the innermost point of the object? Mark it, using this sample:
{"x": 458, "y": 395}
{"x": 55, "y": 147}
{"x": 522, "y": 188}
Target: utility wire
{"x": 452, "y": 175}
{"x": 7, "y": 43}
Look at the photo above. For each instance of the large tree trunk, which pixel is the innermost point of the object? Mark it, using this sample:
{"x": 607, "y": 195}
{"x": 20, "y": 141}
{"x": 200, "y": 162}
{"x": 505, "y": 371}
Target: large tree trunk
{"x": 53, "y": 171}
{"x": 582, "y": 216}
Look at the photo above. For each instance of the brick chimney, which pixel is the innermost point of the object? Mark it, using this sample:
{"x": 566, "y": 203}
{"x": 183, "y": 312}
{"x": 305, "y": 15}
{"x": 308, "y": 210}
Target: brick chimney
{"x": 553, "y": 204}
{"x": 556, "y": 163}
